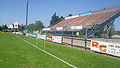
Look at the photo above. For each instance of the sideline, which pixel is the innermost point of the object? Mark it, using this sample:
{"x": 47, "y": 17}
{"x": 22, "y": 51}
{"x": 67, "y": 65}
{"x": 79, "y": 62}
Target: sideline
{"x": 47, "y": 52}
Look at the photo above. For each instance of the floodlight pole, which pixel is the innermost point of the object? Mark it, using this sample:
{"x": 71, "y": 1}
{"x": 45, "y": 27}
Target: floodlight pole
{"x": 27, "y": 4}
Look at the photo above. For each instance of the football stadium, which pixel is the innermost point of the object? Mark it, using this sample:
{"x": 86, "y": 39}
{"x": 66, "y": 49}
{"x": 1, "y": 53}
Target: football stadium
{"x": 79, "y": 41}
{"x": 80, "y": 30}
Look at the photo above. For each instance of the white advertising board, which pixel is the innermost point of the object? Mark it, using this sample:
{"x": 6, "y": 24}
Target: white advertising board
{"x": 76, "y": 27}
{"x": 46, "y": 29}
{"x": 105, "y": 47}
{"x": 41, "y": 36}
{"x": 28, "y": 34}
{"x": 99, "y": 46}
{"x": 57, "y": 39}
{"x": 59, "y": 28}
{"x": 113, "y": 49}
{"x": 17, "y": 33}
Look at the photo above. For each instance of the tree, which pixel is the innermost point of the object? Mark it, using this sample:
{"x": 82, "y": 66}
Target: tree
{"x": 0, "y": 28}
{"x": 3, "y": 28}
{"x": 61, "y": 18}
{"x": 55, "y": 19}
{"x": 31, "y": 27}
{"x": 69, "y": 15}
{"x": 38, "y": 25}
{"x": 22, "y": 28}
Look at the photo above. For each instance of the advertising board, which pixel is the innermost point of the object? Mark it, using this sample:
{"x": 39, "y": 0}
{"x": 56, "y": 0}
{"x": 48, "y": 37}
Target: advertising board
{"x": 28, "y": 34}
{"x": 34, "y": 35}
{"x": 57, "y": 39}
{"x": 59, "y": 28}
{"x": 17, "y": 33}
{"x": 113, "y": 49}
{"x": 49, "y": 38}
{"x": 76, "y": 27}
{"x": 105, "y": 47}
{"x": 46, "y": 29}
{"x": 41, "y": 36}
{"x": 99, "y": 46}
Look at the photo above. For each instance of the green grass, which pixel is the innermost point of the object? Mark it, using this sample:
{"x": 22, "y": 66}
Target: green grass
{"x": 15, "y": 53}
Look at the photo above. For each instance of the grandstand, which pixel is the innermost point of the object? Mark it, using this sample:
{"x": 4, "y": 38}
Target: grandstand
{"x": 92, "y": 22}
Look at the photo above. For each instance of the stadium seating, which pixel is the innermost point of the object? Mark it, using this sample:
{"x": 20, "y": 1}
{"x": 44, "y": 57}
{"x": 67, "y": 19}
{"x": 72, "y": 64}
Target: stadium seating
{"x": 88, "y": 21}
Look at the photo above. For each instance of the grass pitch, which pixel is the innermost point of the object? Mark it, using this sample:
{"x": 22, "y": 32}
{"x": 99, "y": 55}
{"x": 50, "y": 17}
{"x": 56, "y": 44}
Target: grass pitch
{"x": 15, "y": 53}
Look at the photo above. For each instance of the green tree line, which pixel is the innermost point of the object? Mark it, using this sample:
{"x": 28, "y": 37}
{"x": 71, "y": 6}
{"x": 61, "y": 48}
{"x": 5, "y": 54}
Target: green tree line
{"x": 3, "y": 27}
{"x": 38, "y": 25}
{"x": 56, "y": 19}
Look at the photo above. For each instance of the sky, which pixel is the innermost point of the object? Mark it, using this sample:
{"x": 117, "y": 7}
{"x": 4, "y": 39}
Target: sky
{"x": 14, "y": 10}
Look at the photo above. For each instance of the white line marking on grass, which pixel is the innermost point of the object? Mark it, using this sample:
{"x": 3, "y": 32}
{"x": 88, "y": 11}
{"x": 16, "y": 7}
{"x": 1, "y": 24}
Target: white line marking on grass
{"x": 48, "y": 53}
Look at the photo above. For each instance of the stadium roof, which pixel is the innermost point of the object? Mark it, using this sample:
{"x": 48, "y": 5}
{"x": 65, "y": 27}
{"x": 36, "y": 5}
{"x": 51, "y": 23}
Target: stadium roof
{"x": 87, "y": 20}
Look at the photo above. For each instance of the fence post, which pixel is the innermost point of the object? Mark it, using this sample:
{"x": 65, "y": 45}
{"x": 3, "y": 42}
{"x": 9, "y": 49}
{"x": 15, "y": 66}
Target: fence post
{"x": 62, "y": 37}
{"x": 85, "y": 43}
{"x": 86, "y": 39}
{"x": 72, "y": 39}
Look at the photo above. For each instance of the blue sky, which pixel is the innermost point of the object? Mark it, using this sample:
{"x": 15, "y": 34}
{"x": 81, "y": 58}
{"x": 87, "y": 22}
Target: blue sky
{"x": 14, "y": 10}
